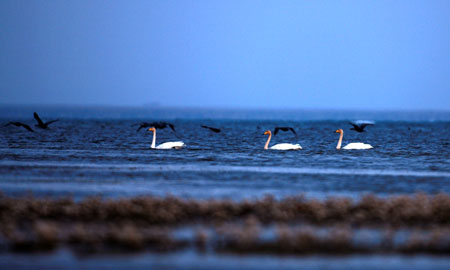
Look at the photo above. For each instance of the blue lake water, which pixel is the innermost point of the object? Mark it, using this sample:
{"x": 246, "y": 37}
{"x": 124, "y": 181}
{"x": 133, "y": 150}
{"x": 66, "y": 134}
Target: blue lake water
{"x": 100, "y": 152}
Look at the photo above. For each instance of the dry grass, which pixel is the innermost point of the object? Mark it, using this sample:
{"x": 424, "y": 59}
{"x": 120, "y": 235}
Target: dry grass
{"x": 96, "y": 225}
{"x": 419, "y": 209}
{"x": 336, "y": 240}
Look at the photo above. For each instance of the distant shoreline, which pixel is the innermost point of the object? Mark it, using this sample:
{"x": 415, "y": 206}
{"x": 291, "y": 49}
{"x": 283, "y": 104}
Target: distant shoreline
{"x": 8, "y": 111}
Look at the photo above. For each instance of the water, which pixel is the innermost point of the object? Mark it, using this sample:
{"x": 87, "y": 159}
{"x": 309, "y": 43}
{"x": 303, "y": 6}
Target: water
{"x": 188, "y": 260}
{"x": 105, "y": 156}
{"x": 97, "y": 151}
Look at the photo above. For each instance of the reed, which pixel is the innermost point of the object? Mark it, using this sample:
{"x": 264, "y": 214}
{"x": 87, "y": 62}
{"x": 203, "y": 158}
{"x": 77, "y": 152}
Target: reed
{"x": 146, "y": 223}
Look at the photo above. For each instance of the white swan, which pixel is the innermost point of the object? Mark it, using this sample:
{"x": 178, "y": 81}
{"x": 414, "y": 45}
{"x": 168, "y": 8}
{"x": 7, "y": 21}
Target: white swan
{"x": 166, "y": 145}
{"x": 280, "y": 146}
{"x": 355, "y": 146}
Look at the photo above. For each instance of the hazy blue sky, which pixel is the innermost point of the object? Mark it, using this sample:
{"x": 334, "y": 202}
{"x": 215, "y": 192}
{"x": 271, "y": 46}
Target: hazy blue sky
{"x": 277, "y": 54}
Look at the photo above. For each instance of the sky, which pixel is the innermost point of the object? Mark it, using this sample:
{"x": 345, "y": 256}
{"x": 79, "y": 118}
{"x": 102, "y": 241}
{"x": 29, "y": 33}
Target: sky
{"x": 373, "y": 55}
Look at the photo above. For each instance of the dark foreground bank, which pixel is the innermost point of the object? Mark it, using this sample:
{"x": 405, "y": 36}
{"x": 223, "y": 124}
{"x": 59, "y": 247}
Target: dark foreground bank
{"x": 291, "y": 226}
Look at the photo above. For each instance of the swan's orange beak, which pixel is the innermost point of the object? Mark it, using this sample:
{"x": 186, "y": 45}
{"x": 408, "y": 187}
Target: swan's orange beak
{"x": 338, "y": 131}
{"x": 267, "y": 132}
{"x": 152, "y": 129}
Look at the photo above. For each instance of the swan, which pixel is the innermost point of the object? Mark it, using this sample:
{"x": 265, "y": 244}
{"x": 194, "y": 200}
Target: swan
{"x": 166, "y": 145}
{"x": 356, "y": 146}
{"x": 280, "y": 146}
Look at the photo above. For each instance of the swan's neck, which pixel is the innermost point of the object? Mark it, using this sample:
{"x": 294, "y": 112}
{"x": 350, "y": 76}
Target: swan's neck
{"x": 268, "y": 140}
{"x": 153, "y": 140}
{"x": 340, "y": 140}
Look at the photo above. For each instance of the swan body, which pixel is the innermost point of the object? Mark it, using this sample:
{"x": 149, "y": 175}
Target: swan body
{"x": 286, "y": 146}
{"x": 351, "y": 146}
{"x": 166, "y": 145}
{"x": 280, "y": 146}
{"x": 357, "y": 146}
{"x": 170, "y": 145}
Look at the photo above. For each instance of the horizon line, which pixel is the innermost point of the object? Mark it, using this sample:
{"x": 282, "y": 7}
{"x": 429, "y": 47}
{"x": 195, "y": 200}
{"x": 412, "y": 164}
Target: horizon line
{"x": 237, "y": 108}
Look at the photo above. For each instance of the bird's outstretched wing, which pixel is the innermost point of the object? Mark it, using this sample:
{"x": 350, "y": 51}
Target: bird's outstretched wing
{"x": 171, "y": 126}
{"x": 19, "y": 124}
{"x": 284, "y": 129}
{"x": 143, "y": 125}
{"x": 216, "y": 130}
{"x": 157, "y": 125}
{"x": 162, "y": 125}
{"x": 360, "y": 125}
{"x": 355, "y": 126}
{"x": 27, "y": 127}
{"x": 50, "y": 122}
{"x": 38, "y": 119}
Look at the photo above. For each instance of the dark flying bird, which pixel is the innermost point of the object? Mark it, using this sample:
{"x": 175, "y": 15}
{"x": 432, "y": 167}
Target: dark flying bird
{"x": 157, "y": 125}
{"x": 18, "y": 124}
{"x": 284, "y": 129}
{"x": 40, "y": 123}
{"x": 359, "y": 126}
{"x": 216, "y": 130}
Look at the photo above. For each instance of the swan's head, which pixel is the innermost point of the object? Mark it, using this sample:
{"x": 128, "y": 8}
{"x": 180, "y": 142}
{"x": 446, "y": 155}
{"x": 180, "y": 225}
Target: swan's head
{"x": 339, "y": 130}
{"x": 267, "y": 132}
{"x": 152, "y": 129}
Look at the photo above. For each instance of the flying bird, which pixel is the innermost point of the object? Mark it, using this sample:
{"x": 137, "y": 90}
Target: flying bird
{"x": 359, "y": 126}
{"x": 284, "y": 129}
{"x": 40, "y": 123}
{"x": 18, "y": 124}
{"x": 158, "y": 125}
{"x": 216, "y": 130}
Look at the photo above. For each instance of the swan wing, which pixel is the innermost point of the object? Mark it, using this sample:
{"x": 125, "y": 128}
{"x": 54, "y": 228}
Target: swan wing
{"x": 171, "y": 145}
{"x": 357, "y": 146}
{"x": 286, "y": 146}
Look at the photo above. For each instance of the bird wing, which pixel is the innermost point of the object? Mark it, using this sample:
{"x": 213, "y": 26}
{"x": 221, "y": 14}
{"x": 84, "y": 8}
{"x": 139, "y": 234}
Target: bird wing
{"x": 158, "y": 125}
{"x": 143, "y": 125}
{"x": 38, "y": 119}
{"x": 171, "y": 126}
{"x": 293, "y": 131}
{"x": 27, "y": 127}
{"x": 18, "y": 124}
{"x": 362, "y": 126}
{"x": 52, "y": 121}
{"x": 284, "y": 129}
{"x": 217, "y": 130}
{"x": 355, "y": 126}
